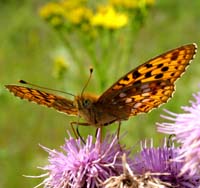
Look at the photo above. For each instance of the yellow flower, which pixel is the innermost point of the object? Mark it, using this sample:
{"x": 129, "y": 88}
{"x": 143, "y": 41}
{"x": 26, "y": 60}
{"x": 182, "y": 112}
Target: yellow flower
{"x": 60, "y": 67}
{"x": 125, "y": 3}
{"x": 67, "y": 4}
{"x": 150, "y": 2}
{"x": 79, "y": 14}
{"x": 107, "y": 17}
{"x": 50, "y": 10}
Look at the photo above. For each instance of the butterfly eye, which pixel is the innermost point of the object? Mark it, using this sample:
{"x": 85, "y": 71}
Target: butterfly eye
{"x": 86, "y": 103}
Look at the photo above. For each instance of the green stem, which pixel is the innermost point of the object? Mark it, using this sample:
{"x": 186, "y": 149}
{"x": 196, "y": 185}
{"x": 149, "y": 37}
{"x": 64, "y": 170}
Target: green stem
{"x": 70, "y": 48}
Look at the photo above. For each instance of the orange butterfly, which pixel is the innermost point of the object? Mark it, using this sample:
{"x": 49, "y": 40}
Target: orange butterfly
{"x": 140, "y": 90}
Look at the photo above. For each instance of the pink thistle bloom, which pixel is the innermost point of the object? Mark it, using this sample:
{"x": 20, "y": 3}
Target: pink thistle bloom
{"x": 186, "y": 128}
{"x": 84, "y": 165}
{"x": 159, "y": 161}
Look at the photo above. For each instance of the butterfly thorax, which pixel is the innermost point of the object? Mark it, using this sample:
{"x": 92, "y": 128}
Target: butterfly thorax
{"x": 92, "y": 111}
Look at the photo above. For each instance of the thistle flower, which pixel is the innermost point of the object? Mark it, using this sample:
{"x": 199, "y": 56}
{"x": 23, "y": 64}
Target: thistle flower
{"x": 159, "y": 160}
{"x": 130, "y": 180}
{"x": 186, "y": 128}
{"x": 84, "y": 165}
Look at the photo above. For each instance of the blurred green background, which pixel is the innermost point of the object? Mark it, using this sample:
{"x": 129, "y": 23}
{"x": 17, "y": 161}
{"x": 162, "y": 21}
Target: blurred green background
{"x": 28, "y": 49}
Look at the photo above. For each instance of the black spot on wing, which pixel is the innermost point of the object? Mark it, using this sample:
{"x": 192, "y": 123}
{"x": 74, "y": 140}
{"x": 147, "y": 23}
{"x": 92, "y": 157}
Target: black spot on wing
{"x": 136, "y": 74}
{"x": 159, "y": 76}
{"x": 148, "y": 74}
{"x": 165, "y": 69}
{"x": 160, "y": 65}
{"x": 126, "y": 78}
{"x": 137, "y": 82}
{"x": 175, "y": 55}
{"x": 148, "y": 65}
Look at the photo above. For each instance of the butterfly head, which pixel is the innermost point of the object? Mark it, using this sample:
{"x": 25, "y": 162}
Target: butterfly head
{"x": 86, "y": 106}
{"x": 84, "y": 102}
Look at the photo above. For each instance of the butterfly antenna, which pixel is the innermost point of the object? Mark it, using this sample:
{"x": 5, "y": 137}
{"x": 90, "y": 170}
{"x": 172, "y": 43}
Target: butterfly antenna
{"x": 91, "y": 71}
{"x": 34, "y": 85}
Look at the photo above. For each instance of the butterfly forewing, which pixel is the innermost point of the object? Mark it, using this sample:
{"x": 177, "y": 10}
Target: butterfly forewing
{"x": 148, "y": 85}
{"x": 43, "y": 98}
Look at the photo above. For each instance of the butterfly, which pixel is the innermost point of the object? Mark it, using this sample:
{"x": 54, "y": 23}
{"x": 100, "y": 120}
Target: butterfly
{"x": 140, "y": 90}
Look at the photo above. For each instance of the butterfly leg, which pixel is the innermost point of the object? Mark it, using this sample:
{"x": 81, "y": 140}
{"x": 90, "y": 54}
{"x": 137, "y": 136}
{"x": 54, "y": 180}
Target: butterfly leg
{"x": 76, "y": 132}
{"x": 118, "y": 129}
{"x": 72, "y": 126}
